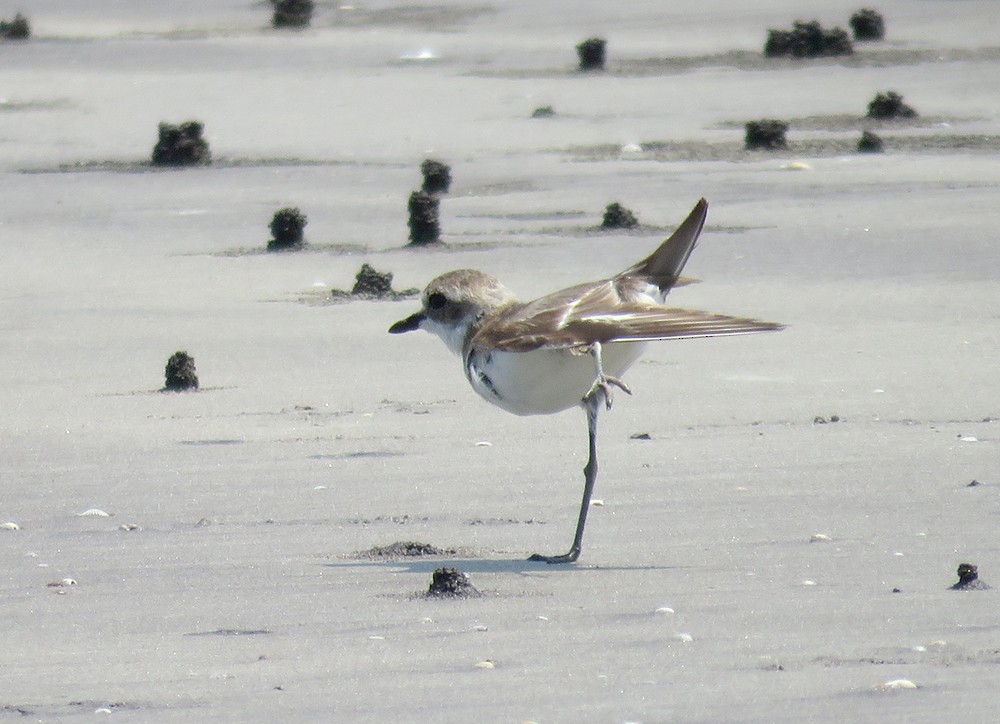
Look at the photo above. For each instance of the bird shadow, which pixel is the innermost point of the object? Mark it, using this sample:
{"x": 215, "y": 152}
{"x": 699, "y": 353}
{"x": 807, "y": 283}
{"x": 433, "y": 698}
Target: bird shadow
{"x": 426, "y": 565}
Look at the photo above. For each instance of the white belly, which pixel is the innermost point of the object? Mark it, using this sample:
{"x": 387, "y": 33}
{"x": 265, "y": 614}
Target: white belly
{"x": 544, "y": 381}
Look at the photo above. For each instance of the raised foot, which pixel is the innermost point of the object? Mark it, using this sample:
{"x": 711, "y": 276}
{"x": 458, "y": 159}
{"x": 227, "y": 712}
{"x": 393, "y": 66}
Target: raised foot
{"x": 564, "y": 558}
{"x": 605, "y": 383}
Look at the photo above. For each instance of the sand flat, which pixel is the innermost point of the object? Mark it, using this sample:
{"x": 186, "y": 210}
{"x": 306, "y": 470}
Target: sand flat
{"x": 225, "y": 583}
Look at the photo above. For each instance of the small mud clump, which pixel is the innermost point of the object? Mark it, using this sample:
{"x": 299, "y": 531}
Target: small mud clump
{"x": 451, "y": 583}
{"x": 968, "y": 579}
{"x": 870, "y": 143}
{"x": 867, "y": 24}
{"x": 181, "y": 145}
{"x": 287, "y": 227}
{"x": 180, "y": 373}
{"x": 372, "y": 284}
{"x": 292, "y": 13}
{"x": 807, "y": 40}
{"x": 437, "y": 177}
{"x": 405, "y": 549}
{"x": 424, "y": 223}
{"x": 591, "y": 53}
{"x": 543, "y": 112}
{"x": 765, "y": 134}
{"x": 16, "y": 29}
{"x": 617, "y": 216}
{"x": 889, "y": 105}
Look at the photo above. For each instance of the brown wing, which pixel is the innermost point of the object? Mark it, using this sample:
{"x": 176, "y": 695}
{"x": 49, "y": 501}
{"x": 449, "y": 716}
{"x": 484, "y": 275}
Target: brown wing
{"x": 588, "y": 313}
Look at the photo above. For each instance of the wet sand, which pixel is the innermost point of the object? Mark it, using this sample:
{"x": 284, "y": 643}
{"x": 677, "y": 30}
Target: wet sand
{"x": 749, "y": 563}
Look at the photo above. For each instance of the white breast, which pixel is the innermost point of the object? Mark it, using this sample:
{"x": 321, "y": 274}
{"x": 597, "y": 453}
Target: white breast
{"x": 544, "y": 381}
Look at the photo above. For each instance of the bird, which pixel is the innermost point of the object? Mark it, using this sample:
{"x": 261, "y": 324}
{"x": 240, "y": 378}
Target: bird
{"x": 569, "y": 348}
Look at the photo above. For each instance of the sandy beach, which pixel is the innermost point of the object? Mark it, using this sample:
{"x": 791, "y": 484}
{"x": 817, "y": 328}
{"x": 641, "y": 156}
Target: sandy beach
{"x": 780, "y": 516}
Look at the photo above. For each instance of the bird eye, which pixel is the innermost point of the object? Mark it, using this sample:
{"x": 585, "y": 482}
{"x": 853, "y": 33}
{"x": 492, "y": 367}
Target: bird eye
{"x": 436, "y": 300}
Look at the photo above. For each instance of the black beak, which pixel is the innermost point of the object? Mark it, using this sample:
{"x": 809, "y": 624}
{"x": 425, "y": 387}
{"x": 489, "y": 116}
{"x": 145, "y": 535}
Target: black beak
{"x": 409, "y": 324}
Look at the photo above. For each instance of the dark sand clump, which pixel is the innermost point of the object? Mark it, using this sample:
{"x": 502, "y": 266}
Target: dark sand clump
{"x": 16, "y": 29}
{"x": 543, "y": 112}
{"x": 181, "y": 145}
{"x": 287, "y": 229}
{"x": 451, "y": 583}
{"x": 870, "y": 143}
{"x": 889, "y": 105}
{"x": 617, "y": 216}
{"x": 292, "y": 13}
{"x": 765, "y": 134}
{"x": 424, "y": 222}
{"x": 437, "y": 177}
{"x": 968, "y": 579}
{"x": 372, "y": 284}
{"x": 180, "y": 373}
{"x": 807, "y": 40}
{"x": 405, "y": 549}
{"x": 591, "y": 53}
{"x": 867, "y": 24}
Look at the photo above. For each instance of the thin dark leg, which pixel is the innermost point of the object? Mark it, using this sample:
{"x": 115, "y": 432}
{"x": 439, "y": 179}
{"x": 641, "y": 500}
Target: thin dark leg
{"x": 591, "y": 404}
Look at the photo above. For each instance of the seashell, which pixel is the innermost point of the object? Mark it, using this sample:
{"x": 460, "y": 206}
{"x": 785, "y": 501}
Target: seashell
{"x": 597, "y": 502}
{"x": 93, "y": 513}
{"x": 819, "y": 538}
{"x": 63, "y": 583}
{"x": 808, "y": 582}
{"x": 685, "y": 637}
{"x": 664, "y": 609}
{"x": 129, "y": 527}
{"x": 487, "y": 664}
{"x": 9, "y": 525}
{"x": 797, "y": 166}
{"x": 632, "y": 148}
{"x": 427, "y": 619}
{"x": 484, "y": 443}
{"x": 896, "y": 684}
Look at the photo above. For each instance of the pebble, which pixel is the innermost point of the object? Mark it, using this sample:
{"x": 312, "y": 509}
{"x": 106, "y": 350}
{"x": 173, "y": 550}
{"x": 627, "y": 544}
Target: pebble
{"x": 480, "y": 627}
{"x": 9, "y": 525}
{"x": 94, "y": 513}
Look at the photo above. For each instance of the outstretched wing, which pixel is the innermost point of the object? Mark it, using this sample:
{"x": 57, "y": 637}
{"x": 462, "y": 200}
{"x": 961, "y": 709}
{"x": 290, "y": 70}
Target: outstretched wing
{"x": 600, "y": 312}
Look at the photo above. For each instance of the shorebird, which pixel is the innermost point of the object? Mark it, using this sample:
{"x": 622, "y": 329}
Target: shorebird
{"x": 571, "y": 347}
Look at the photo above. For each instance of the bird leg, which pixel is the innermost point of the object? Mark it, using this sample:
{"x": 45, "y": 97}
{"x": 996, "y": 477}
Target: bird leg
{"x": 591, "y": 404}
{"x": 603, "y": 382}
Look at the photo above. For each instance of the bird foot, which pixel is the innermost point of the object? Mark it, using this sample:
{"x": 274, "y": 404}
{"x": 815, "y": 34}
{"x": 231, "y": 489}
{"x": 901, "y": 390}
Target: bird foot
{"x": 569, "y": 557}
{"x": 605, "y": 384}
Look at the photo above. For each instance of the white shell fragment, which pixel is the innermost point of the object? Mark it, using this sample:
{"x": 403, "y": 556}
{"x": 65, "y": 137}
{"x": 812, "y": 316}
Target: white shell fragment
{"x": 484, "y": 443}
{"x": 808, "y": 582}
{"x": 63, "y": 583}
{"x": 9, "y": 525}
{"x": 597, "y": 502}
{"x": 632, "y": 148}
{"x": 487, "y": 664}
{"x": 664, "y": 609}
{"x": 94, "y": 513}
{"x": 896, "y": 684}
{"x": 129, "y": 527}
{"x": 819, "y": 538}
{"x": 797, "y": 166}
{"x": 685, "y": 637}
